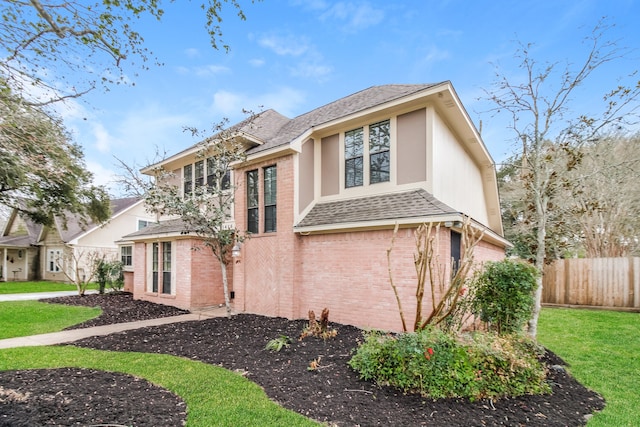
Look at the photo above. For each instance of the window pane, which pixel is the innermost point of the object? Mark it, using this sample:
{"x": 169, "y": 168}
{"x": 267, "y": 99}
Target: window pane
{"x": 252, "y": 220}
{"x": 188, "y": 179}
{"x": 380, "y": 167}
{"x": 270, "y": 197}
{"x": 379, "y": 138}
{"x": 353, "y": 172}
{"x": 252, "y": 189}
{"x": 379, "y": 160}
{"x": 353, "y": 146}
{"x": 270, "y": 186}
{"x": 199, "y": 173}
{"x": 270, "y": 219}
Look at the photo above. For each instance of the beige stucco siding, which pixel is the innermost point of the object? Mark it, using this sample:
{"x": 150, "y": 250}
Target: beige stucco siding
{"x": 121, "y": 225}
{"x": 457, "y": 179}
{"x": 305, "y": 172}
{"x": 330, "y": 165}
{"x": 412, "y": 147}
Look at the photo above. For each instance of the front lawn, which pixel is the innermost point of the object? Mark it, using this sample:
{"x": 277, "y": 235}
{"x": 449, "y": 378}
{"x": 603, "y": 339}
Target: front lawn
{"x": 602, "y": 349}
{"x": 23, "y": 318}
{"x": 42, "y": 286}
{"x": 214, "y": 396}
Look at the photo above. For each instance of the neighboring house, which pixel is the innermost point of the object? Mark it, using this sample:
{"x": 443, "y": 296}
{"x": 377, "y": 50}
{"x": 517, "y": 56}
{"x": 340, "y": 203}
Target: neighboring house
{"x": 34, "y": 252}
{"x": 320, "y": 195}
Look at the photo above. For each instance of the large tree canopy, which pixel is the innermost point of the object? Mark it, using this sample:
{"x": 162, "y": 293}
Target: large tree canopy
{"x": 42, "y": 173}
{"x": 54, "y": 50}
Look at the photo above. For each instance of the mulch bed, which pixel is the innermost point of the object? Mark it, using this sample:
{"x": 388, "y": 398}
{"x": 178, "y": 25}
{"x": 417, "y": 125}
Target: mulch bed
{"x": 332, "y": 393}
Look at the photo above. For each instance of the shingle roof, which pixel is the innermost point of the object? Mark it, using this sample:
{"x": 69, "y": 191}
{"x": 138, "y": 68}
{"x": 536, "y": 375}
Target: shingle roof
{"x": 75, "y": 225}
{"x": 409, "y": 204}
{"x": 351, "y": 104}
{"x": 163, "y": 227}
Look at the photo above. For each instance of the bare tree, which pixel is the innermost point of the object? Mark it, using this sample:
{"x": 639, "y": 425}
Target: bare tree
{"x": 45, "y": 44}
{"x": 207, "y": 210}
{"x": 544, "y": 123}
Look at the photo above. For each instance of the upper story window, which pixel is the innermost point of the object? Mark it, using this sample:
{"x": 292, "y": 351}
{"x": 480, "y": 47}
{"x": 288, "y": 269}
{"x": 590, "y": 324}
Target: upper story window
{"x": 213, "y": 175}
{"x": 370, "y": 160}
{"x": 252, "y": 202}
{"x": 199, "y": 173}
{"x": 143, "y": 223}
{"x": 353, "y": 156}
{"x": 188, "y": 179}
{"x": 270, "y": 193}
{"x": 379, "y": 145}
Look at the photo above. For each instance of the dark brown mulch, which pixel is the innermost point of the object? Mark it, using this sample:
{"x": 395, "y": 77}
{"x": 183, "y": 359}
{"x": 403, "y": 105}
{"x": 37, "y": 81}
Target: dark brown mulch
{"x": 332, "y": 393}
{"x": 73, "y": 396}
{"x": 117, "y": 307}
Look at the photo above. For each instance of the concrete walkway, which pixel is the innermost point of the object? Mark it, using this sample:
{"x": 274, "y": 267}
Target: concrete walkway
{"x": 78, "y": 334}
{"x": 40, "y": 295}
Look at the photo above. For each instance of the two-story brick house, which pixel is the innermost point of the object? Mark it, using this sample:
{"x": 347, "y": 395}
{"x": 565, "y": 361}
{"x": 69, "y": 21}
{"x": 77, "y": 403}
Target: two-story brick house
{"x": 321, "y": 194}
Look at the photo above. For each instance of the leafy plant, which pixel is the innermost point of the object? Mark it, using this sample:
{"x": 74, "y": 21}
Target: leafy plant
{"x": 109, "y": 273}
{"x": 438, "y": 364}
{"x": 320, "y": 328}
{"x": 504, "y": 295}
{"x": 278, "y": 344}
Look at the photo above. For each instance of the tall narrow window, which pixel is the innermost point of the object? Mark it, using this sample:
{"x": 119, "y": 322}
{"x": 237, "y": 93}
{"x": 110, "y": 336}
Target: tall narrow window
{"x": 270, "y": 193}
{"x": 252, "y": 201}
{"x": 216, "y": 175}
{"x": 199, "y": 173}
{"x": 188, "y": 179}
{"x": 54, "y": 260}
{"x": 126, "y": 255}
{"x": 166, "y": 267}
{"x": 379, "y": 152}
{"x": 154, "y": 267}
{"x": 353, "y": 151}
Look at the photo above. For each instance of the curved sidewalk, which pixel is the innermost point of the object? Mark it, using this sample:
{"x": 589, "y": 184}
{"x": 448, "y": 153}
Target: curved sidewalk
{"x": 78, "y": 334}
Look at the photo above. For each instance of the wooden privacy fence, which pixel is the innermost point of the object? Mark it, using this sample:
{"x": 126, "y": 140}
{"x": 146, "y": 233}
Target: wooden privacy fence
{"x": 599, "y": 282}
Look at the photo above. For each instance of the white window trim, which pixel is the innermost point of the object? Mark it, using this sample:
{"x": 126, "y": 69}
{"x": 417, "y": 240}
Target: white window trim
{"x": 53, "y": 255}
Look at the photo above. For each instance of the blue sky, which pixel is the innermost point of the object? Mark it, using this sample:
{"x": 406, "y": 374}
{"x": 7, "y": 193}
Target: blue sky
{"x": 296, "y": 55}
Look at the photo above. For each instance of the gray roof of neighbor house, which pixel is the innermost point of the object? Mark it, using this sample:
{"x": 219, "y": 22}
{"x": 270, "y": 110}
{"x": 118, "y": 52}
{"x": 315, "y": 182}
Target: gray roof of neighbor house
{"x": 408, "y": 204}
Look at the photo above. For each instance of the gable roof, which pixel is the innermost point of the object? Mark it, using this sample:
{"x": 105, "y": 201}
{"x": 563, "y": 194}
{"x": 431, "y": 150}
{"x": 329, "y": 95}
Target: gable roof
{"x": 416, "y": 204}
{"x": 351, "y": 104}
{"x": 33, "y": 231}
{"x": 271, "y": 129}
{"x": 77, "y": 226}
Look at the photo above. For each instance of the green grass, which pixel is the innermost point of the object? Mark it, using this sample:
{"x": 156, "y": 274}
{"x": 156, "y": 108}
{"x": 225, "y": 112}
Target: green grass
{"x": 22, "y": 318}
{"x": 603, "y": 351}
{"x": 29, "y": 287}
{"x": 214, "y": 396}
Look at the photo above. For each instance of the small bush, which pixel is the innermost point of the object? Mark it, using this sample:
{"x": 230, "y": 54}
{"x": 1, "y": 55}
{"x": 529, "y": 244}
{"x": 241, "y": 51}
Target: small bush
{"x": 436, "y": 364}
{"x": 317, "y": 328}
{"x": 504, "y": 295}
{"x": 277, "y": 344}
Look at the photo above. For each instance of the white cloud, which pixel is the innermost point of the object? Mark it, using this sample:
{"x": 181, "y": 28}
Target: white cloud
{"x": 311, "y": 70}
{"x": 103, "y": 141}
{"x": 290, "y": 45}
{"x": 257, "y": 63}
{"x": 192, "y": 52}
{"x": 285, "y": 100}
{"x": 356, "y": 16}
{"x": 210, "y": 70}
{"x": 101, "y": 175}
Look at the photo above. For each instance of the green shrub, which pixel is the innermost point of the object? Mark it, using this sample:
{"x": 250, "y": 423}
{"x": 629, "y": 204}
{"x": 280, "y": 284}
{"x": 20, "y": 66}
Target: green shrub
{"x": 436, "y": 364}
{"x": 504, "y": 295}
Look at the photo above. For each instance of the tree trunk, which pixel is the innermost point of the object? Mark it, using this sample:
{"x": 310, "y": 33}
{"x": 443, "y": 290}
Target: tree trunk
{"x": 540, "y": 258}
{"x": 225, "y": 286}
